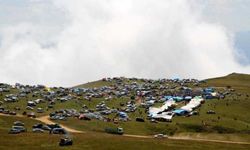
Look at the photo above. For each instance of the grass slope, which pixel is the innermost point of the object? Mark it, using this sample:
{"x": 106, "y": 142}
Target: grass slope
{"x": 94, "y": 84}
{"x": 234, "y": 80}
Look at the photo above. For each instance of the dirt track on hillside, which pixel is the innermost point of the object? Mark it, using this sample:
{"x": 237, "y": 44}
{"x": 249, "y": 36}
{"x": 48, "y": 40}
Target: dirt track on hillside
{"x": 45, "y": 119}
{"x": 207, "y": 140}
{"x": 138, "y": 136}
{"x": 190, "y": 139}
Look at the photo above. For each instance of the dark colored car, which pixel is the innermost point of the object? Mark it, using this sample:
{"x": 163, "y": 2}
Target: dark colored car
{"x": 20, "y": 128}
{"x": 52, "y": 114}
{"x": 66, "y": 142}
{"x": 39, "y": 125}
{"x": 52, "y": 126}
{"x": 12, "y": 113}
{"x": 14, "y": 131}
{"x": 31, "y": 115}
{"x": 45, "y": 127}
{"x": 58, "y": 131}
{"x": 18, "y": 123}
{"x": 37, "y": 130}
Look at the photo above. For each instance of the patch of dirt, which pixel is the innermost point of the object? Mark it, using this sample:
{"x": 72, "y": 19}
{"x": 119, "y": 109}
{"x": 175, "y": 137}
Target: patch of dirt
{"x": 46, "y": 120}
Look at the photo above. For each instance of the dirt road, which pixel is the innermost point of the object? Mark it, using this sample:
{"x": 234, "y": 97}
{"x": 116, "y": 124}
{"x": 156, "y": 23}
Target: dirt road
{"x": 46, "y": 120}
{"x": 138, "y": 100}
{"x": 190, "y": 139}
{"x": 207, "y": 140}
{"x": 138, "y": 136}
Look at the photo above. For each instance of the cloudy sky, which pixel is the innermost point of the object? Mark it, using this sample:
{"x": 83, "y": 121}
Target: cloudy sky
{"x": 69, "y": 42}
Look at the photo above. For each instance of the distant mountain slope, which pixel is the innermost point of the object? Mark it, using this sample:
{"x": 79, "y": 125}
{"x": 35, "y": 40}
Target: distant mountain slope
{"x": 98, "y": 83}
{"x": 234, "y": 79}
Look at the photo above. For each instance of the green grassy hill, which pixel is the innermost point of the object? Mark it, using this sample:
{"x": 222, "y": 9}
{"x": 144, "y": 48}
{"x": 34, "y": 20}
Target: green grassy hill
{"x": 94, "y": 84}
{"x": 234, "y": 80}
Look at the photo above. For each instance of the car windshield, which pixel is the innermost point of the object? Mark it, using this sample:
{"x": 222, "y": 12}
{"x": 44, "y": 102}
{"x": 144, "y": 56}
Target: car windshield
{"x": 18, "y": 128}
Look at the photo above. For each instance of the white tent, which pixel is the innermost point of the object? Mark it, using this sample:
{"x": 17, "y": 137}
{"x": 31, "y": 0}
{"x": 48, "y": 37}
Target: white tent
{"x": 194, "y": 103}
{"x": 158, "y": 113}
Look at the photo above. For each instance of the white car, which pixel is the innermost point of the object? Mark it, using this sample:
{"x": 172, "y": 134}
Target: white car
{"x": 160, "y": 136}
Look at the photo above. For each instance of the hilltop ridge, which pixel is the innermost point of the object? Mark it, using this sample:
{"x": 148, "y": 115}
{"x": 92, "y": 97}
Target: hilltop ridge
{"x": 233, "y": 79}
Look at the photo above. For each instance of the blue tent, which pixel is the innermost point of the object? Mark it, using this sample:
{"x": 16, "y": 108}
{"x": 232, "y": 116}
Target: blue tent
{"x": 180, "y": 112}
{"x": 168, "y": 97}
{"x": 178, "y": 98}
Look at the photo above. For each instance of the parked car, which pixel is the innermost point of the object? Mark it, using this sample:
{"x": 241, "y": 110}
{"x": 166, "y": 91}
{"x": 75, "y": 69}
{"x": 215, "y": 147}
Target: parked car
{"x": 153, "y": 121}
{"x": 52, "y": 126}
{"x": 58, "y": 131}
{"x": 20, "y": 128}
{"x": 160, "y": 136}
{"x": 14, "y": 131}
{"x": 12, "y": 113}
{"x": 31, "y": 115}
{"x": 62, "y": 118}
{"x": 18, "y": 123}
{"x": 194, "y": 113}
{"x": 40, "y": 110}
{"x": 37, "y": 130}
{"x": 31, "y": 103}
{"x": 66, "y": 142}
{"x": 211, "y": 112}
{"x": 39, "y": 125}
{"x": 29, "y": 108}
{"x": 45, "y": 127}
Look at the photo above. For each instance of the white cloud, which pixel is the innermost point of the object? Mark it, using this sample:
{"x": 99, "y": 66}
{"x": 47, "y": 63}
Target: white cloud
{"x": 142, "y": 38}
{"x": 234, "y": 14}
